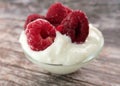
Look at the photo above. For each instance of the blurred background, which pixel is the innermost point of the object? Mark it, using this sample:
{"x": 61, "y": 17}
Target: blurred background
{"x": 104, "y": 71}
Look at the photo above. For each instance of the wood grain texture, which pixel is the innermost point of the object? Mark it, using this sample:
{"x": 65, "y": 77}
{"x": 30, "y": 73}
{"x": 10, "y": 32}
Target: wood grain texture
{"x": 16, "y": 70}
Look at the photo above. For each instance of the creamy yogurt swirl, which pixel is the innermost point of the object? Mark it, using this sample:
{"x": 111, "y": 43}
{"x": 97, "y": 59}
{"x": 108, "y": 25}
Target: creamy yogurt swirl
{"x": 63, "y": 51}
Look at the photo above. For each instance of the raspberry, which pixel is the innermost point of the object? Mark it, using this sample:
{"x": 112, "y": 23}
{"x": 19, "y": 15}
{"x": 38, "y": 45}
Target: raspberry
{"x": 31, "y": 18}
{"x": 75, "y": 25}
{"x": 40, "y": 34}
{"x": 56, "y": 13}
{"x": 68, "y": 10}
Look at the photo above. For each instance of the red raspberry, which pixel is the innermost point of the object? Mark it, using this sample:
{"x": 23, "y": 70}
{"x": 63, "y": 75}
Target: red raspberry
{"x": 56, "y": 13}
{"x": 40, "y": 34}
{"x": 68, "y": 10}
{"x": 31, "y": 18}
{"x": 76, "y": 26}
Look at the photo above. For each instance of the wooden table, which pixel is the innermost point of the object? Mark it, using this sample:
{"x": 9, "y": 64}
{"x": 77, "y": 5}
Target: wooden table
{"x": 16, "y": 70}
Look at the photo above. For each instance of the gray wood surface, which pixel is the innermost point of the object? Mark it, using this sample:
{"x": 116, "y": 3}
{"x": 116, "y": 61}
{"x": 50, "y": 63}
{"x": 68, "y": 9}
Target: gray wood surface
{"x": 16, "y": 70}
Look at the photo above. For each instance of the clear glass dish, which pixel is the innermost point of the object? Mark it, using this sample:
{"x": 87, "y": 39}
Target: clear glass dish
{"x": 66, "y": 69}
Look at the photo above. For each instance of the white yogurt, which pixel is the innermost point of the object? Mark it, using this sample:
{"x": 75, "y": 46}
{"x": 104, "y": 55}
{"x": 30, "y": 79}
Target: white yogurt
{"x": 63, "y": 51}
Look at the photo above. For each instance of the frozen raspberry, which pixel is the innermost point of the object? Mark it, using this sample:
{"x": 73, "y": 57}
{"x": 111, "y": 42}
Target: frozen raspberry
{"x": 76, "y": 26}
{"x": 56, "y": 13}
{"x": 31, "y": 18}
{"x": 40, "y": 34}
{"x": 68, "y": 10}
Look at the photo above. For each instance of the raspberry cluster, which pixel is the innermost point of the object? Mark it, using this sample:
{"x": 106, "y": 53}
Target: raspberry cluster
{"x": 41, "y": 30}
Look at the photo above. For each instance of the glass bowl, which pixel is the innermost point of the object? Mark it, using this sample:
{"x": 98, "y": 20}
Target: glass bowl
{"x": 66, "y": 69}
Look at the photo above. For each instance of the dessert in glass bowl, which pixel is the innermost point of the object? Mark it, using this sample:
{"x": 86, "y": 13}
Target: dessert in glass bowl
{"x": 62, "y": 41}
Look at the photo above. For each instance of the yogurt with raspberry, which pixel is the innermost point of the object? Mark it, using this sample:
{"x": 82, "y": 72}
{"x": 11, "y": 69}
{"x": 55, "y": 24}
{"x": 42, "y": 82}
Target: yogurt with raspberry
{"x": 62, "y": 41}
{"x": 63, "y": 51}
